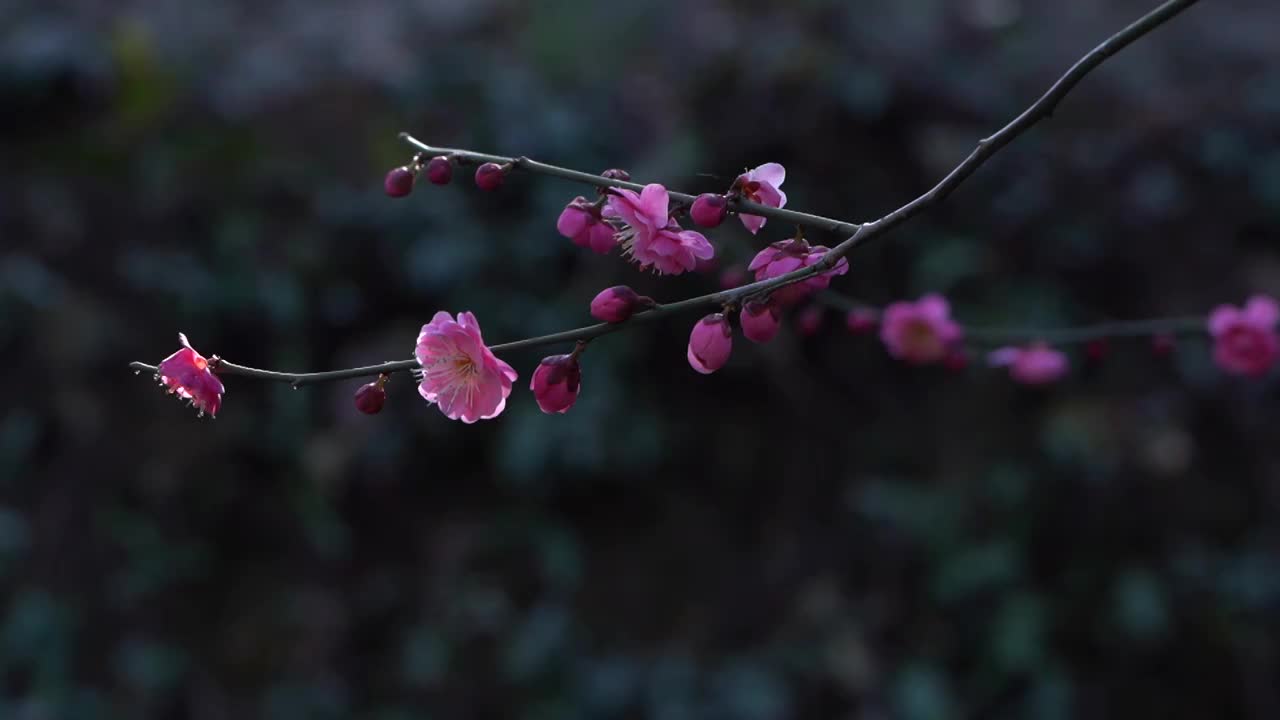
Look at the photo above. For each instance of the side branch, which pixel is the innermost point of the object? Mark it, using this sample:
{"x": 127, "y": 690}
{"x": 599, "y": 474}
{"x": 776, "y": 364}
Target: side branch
{"x": 539, "y": 168}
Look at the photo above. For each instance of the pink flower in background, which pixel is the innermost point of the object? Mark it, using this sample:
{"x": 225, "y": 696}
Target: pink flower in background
{"x": 581, "y": 223}
{"x": 556, "y": 382}
{"x": 187, "y": 374}
{"x": 920, "y": 332}
{"x": 652, "y": 239}
{"x": 460, "y": 374}
{"x": 1035, "y": 364}
{"x": 710, "y": 344}
{"x": 762, "y": 185}
{"x": 760, "y": 320}
{"x": 785, "y": 256}
{"x": 1244, "y": 339}
{"x": 809, "y": 321}
{"x": 862, "y": 320}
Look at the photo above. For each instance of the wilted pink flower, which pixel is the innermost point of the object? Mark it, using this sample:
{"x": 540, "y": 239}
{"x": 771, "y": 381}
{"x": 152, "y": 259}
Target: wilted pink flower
{"x": 862, "y": 320}
{"x": 785, "y": 256}
{"x": 440, "y": 170}
{"x": 370, "y": 397}
{"x": 652, "y": 239}
{"x": 760, "y": 320}
{"x": 920, "y": 332}
{"x": 1035, "y": 364}
{"x": 615, "y": 304}
{"x": 809, "y": 321}
{"x": 556, "y": 382}
{"x": 709, "y": 209}
{"x": 710, "y": 344}
{"x": 460, "y": 374}
{"x": 1244, "y": 339}
{"x": 399, "y": 182}
{"x": 187, "y": 374}
{"x": 580, "y": 221}
{"x": 489, "y": 176}
{"x": 762, "y": 185}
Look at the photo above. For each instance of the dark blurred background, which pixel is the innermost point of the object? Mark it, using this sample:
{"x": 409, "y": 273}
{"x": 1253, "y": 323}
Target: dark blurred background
{"x": 813, "y": 532}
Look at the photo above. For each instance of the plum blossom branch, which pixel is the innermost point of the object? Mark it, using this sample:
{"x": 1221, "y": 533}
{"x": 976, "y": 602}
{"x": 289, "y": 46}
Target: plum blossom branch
{"x": 736, "y": 204}
{"x": 859, "y": 234}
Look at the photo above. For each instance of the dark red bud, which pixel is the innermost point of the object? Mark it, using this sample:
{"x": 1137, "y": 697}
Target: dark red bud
{"x": 399, "y": 182}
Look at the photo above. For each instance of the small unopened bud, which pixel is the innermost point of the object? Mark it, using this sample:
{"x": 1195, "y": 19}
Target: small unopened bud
{"x": 399, "y": 182}
{"x": 556, "y": 382}
{"x": 710, "y": 344}
{"x": 1163, "y": 344}
{"x": 440, "y": 170}
{"x": 489, "y": 176}
{"x": 370, "y": 397}
{"x": 616, "y": 304}
{"x": 709, "y": 209}
{"x": 616, "y": 174}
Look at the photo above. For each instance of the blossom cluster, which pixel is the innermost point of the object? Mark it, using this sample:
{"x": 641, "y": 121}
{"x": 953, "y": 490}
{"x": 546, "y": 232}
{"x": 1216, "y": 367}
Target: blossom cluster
{"x": 461, "y": 375}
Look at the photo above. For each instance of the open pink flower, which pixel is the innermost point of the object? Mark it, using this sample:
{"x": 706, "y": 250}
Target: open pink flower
{"x": 920, "y": 332}
{"x": 652, "y": 238}
{"x": 187, "y": 374}
{"x": 1035, "y": 364}
{"x": 762, "y": 185}
{"x": 580, "y": 221}
{"x": 556, "y": 382}
{"x": 785, "y": 256}
{"x": 1244, "y": 339}
{"x": 710, "y": 344}
{"x": 460, "y": 374}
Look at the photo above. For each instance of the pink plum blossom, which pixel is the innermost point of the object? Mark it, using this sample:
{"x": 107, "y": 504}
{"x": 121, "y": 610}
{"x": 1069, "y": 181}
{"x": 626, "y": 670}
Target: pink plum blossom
{"x": 187, "y": 374}
{"x": 785, "y": 256}
{"x": 763, "y": 186}
{"x": 652, "y": 238}
{"x": 556, "y": 382}
{"x": 460, "y": 374}
{"x": 710, "y": 344}
{"x": 1035, "y": 364}
{"x": 760, "y": 320}
{"x": 580, "y": 221}
{"x": 920, "y": 332}
{"x": 1244, "y": 339}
